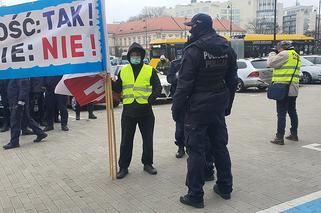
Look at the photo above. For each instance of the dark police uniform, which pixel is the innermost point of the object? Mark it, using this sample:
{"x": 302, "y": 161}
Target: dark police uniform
{"x": 5, "y": 104}
{"x": 37, "y": 102}
{"x": 53, "y": 101}
{"x": 206, "y": 89}
{"x": 18, "y": 96}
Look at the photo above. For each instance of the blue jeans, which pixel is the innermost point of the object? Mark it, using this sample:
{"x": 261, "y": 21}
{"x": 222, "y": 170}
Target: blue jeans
{"x": 283, "y": 107}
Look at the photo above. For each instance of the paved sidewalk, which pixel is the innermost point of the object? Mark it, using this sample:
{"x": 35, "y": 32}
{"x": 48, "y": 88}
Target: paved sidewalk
{"x": 69, "y": 171}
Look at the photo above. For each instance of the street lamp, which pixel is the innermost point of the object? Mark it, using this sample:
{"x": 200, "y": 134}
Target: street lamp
{"x": 145, "y": 20}
{"x": 231, "y": 17}
{"x": 274, "y": 33}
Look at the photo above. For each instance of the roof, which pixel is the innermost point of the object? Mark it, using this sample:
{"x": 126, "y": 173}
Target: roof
{"x": 165, "y": 23}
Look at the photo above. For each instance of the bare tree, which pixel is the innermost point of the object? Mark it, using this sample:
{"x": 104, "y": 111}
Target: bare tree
{"x": 262, "y": 26}
{"x": 149, "y": 12}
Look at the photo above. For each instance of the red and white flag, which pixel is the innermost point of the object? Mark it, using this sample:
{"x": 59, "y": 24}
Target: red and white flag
{"x": 86, "y": 88}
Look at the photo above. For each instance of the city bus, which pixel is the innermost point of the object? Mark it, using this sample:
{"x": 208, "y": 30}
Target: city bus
{"x": 254, "y": 45}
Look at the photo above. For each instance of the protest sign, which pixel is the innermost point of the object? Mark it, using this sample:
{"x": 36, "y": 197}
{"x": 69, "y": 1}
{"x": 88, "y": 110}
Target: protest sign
{"x": 55, "y": 37}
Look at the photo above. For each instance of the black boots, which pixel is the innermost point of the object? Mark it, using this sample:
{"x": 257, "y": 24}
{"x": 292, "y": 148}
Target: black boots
{"x": 150, "y": 169}
{"x": 180, "y": 152}
{"x": 225, "y": 196}
{"x": 187, "y": 200}
{"x": 292, "y": 137}
{"x": 40, "y": 138}
{"x": 122, "y": 173}
{"x": 10, "y": 146}
{"x": 92, "y": 116}
{"x": 278, "y": 140}
{"x": 48, "y": 128}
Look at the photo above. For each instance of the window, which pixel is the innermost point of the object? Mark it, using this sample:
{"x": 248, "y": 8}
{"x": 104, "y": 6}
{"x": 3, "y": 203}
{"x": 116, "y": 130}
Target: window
{"x": 241, "y": 65}
{"x": 259, "y": 64}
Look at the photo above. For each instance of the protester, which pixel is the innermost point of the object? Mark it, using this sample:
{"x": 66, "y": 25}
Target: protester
{"x": 286, "y": 63}
{"x": 4, "y": 100}
{"x": 140, "y": 86}
{"x": 205, "y": 93}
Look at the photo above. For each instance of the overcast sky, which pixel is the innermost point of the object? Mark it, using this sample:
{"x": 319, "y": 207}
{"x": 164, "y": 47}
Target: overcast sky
{"x": 121, "y": 10}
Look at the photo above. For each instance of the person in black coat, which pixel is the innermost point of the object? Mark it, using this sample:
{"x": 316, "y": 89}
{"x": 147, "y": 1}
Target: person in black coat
{"x": 135, "y": 113}
{"x": 18, "y": 97}
{"x": 53, "y": 101}
{"x": 4, "y": 100}
{"x": 205, "y": 90}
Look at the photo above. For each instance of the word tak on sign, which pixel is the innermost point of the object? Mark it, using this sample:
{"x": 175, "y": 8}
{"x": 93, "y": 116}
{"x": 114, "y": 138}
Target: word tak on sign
{"x": 71, "y": 19}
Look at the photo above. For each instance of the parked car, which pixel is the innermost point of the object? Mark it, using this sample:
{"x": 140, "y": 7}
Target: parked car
{"x": 253, "y": 73}
{"x": 166, "y": 87}
{"x": 315, "y": 59}
{"x": 310, "y": 72}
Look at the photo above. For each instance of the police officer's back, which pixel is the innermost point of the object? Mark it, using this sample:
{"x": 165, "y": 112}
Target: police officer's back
{"x": 206, "y": 88}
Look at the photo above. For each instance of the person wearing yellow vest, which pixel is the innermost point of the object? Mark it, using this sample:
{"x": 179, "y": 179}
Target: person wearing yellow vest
{"x": 286, "y": 63}
{"x": 140, "y": 86}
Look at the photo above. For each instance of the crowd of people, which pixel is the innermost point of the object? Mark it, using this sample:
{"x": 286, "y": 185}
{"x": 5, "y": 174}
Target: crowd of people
{"x": 203, "y": 82}
{"x": 30, "y": 103}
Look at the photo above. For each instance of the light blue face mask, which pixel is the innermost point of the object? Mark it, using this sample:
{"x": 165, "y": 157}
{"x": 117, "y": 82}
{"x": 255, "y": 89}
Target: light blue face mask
{"x": 135, "y": 60}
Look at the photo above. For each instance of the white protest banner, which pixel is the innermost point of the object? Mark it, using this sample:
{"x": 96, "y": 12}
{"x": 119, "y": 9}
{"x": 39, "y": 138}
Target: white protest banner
{"x": 55, "y": 37}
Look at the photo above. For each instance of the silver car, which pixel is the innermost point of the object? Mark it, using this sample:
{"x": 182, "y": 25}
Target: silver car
{"x": 315, "y": 59}
{"x": 310, "y": 72}
{"x": 253, "y": 73}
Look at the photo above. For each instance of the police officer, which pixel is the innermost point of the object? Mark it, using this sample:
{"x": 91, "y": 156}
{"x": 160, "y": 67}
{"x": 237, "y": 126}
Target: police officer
{"x": 140, "y": 86}
{"x": 286, "y": 64}
{"x": 53, "y": 101}
{"x": 5, "y": 104}
{"x": 18, "y": 96}
{"x": 37, "y": 102}
{"x": 206, "y": 88}
{"x": 172, "y": 77}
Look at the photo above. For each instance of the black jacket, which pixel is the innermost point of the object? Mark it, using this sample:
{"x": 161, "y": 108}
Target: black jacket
{"x": 18, "y": 90}
{"x": 135, "y": 109}
{"x": 207, "y": 78}
{"x": 37, "y": 84}
{"x": 173, "y": 73}
{"x": 51, "y": 82}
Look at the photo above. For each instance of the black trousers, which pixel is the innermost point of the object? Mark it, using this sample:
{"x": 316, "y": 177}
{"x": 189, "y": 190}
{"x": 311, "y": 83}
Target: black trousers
{"x": 5, "y": 103}
{"x": 180, "y": 142}
{"x": 17, "y": 115}
{"x": 196, "y": 145}
{"x": 90, "y": 108}
{"x": 128, "y": 127}
{"x": 53, "y": 101}
{"x": 37, "y": 108}
{"x": 285, "y": 106}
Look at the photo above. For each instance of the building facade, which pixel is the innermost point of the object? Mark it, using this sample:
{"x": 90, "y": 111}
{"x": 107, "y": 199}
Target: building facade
{"x": 265, "y": 16}
{"x": 122, "y": 35}
{"x": 299, "y": 19}
{"x": 240, "y": 12}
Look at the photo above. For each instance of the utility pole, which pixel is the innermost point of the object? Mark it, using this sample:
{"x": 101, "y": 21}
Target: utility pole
{"x": 231, "y": 18}
{"x": 274, "y": 34}
{"x": 318, "y": 37}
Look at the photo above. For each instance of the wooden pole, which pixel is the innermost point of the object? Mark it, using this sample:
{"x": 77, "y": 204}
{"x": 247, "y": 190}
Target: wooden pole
{"x": 111, "y": 128}
{"x": 109, "y": 100}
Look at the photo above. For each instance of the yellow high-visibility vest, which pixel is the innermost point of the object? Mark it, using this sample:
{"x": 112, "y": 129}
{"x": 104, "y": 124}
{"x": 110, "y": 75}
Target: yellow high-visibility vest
{"x": 284, "y": 74}
{"x": 138, "y": 90}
